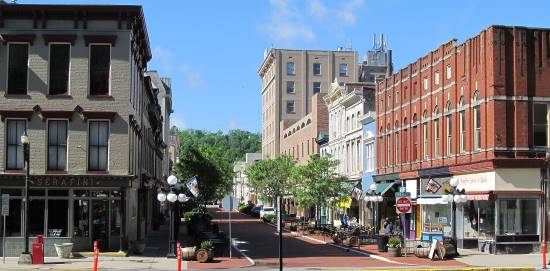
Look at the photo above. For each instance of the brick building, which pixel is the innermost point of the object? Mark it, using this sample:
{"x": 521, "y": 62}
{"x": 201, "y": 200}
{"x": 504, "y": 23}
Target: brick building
{"x": 75, "y": 84}
{"x": 477, "y": 112}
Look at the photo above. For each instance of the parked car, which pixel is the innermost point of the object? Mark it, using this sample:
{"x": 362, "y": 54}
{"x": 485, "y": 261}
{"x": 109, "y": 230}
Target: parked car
{"x": 267, "y": 211}
{"x": 256, "y": 210}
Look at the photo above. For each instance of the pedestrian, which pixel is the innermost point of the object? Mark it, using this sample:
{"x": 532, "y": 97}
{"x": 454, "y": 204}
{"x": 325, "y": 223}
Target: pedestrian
{"x": 388, "y": 226}
{"x": 344, "y": 220}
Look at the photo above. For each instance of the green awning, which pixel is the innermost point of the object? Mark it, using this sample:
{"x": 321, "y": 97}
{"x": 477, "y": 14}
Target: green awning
{"x": 382, "y": 188}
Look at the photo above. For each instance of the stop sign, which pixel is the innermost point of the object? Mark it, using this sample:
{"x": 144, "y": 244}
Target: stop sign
{"x": 403, "y": 205}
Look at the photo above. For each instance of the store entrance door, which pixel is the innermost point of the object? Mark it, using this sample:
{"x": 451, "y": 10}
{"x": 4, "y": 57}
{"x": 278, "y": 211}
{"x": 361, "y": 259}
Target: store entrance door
{"x": 100, "y": 222}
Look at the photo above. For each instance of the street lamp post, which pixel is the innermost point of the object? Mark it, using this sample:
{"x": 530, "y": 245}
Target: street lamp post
{"x": 455, "y": 196}
{"x": 172, "y": 198}
{"x": 25, "y": 257}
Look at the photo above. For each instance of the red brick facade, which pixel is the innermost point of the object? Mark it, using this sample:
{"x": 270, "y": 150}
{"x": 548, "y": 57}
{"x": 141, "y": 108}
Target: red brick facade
{"x": 500, "y": 73}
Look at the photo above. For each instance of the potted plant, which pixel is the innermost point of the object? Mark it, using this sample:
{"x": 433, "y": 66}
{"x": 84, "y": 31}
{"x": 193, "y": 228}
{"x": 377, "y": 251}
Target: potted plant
{"x": 394, "y": 246}
{"x": 205, "y": 253}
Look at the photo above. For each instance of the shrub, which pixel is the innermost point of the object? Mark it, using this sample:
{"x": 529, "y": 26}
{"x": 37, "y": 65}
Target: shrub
{"x": 207, "y": 244}
{"x": 245, "y": 209}
{"x": 394, "y": 242}
{"x": 188, "y": 216}
{"x": 269, "y": 218}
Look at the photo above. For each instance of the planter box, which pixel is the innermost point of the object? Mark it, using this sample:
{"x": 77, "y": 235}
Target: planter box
{"x": 64, "y": 250}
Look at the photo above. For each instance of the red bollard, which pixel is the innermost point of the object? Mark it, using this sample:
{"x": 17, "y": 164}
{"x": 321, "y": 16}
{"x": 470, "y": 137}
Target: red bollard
{"x": 96, "y": 255}
{"x": 543, "y": 251}
{"x": 179, "y": 255}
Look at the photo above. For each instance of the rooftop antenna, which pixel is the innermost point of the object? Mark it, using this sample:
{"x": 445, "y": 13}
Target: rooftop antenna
{"x": 373, "y": 40}
{"x": 382, "y": 41}
{"x": 350, "y": 44}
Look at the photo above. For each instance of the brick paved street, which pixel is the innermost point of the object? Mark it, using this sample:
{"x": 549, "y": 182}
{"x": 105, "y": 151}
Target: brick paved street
{"x": 260, "y": 242}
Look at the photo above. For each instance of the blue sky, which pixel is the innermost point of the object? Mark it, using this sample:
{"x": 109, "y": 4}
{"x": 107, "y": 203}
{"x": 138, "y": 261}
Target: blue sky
{"x": 212, "y": 49}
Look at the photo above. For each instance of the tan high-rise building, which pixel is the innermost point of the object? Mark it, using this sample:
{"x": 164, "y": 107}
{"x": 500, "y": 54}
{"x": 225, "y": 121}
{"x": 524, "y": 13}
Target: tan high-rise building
{"x": 289, "y": 79}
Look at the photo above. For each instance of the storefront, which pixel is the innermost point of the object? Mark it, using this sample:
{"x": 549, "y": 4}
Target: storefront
{"x": 67, "y": 209}
{"x": 503, "y": 211}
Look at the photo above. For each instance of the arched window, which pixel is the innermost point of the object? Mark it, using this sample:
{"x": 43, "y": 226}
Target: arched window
{"x": 448, "y": 129}
{"x": 437, "y": 141}
{"x": 462, "y": 125}
{"x": 415, "y": 138}
{"x": 381, "y": 146}
{"x": 477, "y": 121}
{"x": 396, "y": 140}
{"x": 425, "y": 135}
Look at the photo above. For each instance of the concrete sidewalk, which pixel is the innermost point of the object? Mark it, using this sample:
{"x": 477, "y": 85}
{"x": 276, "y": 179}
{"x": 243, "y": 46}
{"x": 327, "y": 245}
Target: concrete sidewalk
{"x": 476, "y": 258}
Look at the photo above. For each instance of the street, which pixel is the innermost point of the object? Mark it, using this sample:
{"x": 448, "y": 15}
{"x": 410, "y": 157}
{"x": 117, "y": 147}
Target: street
{"x": 259, "y": 241}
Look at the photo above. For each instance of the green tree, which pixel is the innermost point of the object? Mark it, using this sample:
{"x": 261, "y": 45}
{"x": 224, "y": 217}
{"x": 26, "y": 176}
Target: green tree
{"x": 318, "y": 184}
{"x": 270, "y": 177}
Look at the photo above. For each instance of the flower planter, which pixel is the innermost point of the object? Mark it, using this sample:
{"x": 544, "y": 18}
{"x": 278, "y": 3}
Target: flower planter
{"x": 64, "y": 250}
{"x": 204, "y": 255}
{"x": 188, "y": 253}
{"x": 394, "y": 251}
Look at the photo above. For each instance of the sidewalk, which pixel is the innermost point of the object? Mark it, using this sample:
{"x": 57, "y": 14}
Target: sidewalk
{"x": 154, "y": 258}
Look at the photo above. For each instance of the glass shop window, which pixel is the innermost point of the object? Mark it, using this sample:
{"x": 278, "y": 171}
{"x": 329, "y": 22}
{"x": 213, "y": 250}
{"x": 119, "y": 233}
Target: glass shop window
{"x": 437, "y": 219}
{"x": 81, "y": 221}
{"x": 13, "y": 221}
{"x": 518, "y": 216}
{"x": 116, "y": 220}
{"x": 58, "y": 218}
{"x": 478, "y": 219}
{"x": 37, "y": 209}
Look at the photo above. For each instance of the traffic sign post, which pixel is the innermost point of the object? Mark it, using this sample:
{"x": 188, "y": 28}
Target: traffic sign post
{"x": 230, "y": 203}
{"x": 403, "y": 205}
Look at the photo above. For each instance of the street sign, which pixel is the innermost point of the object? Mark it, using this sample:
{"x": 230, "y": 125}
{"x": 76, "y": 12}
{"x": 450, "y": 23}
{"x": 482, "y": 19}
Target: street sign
{"x": 403, "y": 205}
{"x": 229, "y": 203}
{"x": 402, "y": 194}
{"x": 5, "y": 204}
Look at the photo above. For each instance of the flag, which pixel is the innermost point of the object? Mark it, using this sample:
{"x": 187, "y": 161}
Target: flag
{"x": 432, "y": 186}
{"x": 193, "y": 186}
{"x": 356, "y": 193}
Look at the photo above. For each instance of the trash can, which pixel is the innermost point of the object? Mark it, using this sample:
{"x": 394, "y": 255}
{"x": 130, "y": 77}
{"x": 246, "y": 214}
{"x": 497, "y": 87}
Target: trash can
{"x": 382, "y": 243}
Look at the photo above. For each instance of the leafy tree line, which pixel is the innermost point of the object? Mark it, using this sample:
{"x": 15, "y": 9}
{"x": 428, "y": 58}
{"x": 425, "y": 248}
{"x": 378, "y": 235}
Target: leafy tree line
{"x": 314, "y": 184}
{"x": 210, "y": 155}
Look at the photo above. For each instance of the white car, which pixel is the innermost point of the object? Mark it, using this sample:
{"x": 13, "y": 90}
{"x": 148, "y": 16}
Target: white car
{"x": 267, "y": 211}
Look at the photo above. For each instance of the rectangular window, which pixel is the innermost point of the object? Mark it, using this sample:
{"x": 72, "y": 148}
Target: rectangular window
{"x": 98, "y": 148}
{"x": 477, "y": 127}
{"x": 13, "y": 223}
{"x": 316, "y": 68}
{"x": 405, "y": 145}
{"x": 436, "y": 78}
{"x": 448, "y": 71}
{"x": 462, "y": 115}
{"x": 290, "y": 86}
{"x": 14, "y": 147}
{"x": 290, "y": 68}
{"x": 60, "y": 57}
{"x": 37, "y": 209}
{"x": 388, "y": 146}
{"x": 57, "y": 145}
{"x": 290, "y": 107}
{"x": 343, "y": 69}
{"x": 100, "y": 69}
{"x": 518, "y": 216}
{"x": 425, "y": 83}
{"x": 18, "y": 67}
{"x": 415, "y": 143}
{"x": 540, "y": 125}
{"x": 58, "y": 218}
{"x": 425, "y": 141}
{"x": 316, "y": 87}
{"x": 396, "y": 147}
{"x": 449, "y": 129}
{"x": 436, "y": 138}
{"x": 81, "y": 221}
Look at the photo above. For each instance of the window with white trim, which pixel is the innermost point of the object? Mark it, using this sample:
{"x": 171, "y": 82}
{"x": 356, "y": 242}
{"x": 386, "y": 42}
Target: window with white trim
{"x": 449, "y": 130}
{"x": 437, "y": 141}
{"x": 477, "y": 121}
{"x": 14, "y": 147}
{"x": 448, "y": 72}
{"x": 18, "y": 68}
{"x": 100, "y": 69}
{"x": 98, "y": 145}
{"x": 462, "y": 120}
{"x": 60, "y": 57}
{"x": 57, "y": 144}
{"x": 540, "y": 125}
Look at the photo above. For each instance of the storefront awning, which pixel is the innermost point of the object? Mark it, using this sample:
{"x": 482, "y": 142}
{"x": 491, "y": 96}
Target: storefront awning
{"x": 382, "y": 188}
{"x": 430, "y": 201}
{"x": 478, "y": 197}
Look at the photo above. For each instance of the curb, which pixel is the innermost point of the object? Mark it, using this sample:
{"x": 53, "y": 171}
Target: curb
{"x": 252, "y": 262}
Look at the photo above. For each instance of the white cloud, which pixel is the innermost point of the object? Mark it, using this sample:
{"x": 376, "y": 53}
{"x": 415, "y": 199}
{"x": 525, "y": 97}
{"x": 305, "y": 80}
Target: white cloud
{"x": 347, "y": 12}
{"x": 286, "y": 24}
{"x": 163, "y": 59}
{"x": 317, "y": 9}
{"x": 192, "y": 77}
{"x": 177, "y": 121}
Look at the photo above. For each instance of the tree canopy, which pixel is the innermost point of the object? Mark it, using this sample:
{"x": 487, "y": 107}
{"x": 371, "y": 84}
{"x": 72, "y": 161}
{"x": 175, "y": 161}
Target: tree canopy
{"x": 317, "y": 183}
{"x": 210, "y": 156}
{"x": 270, "y": 177}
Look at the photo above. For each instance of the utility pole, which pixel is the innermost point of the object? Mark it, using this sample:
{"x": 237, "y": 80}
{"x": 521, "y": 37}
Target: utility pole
{"x": 280, "y": 228}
